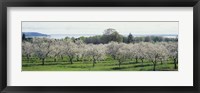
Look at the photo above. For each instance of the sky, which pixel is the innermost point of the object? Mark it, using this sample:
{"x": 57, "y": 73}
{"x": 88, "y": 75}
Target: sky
{"x": 98, "y": 28}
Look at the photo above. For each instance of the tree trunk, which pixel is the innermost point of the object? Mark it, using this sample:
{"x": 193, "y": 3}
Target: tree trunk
{"x": 119, "y": 63}
{"x": 142, "y": 61}
{"x": 136, "y": 60}
{"x": 114, "y": 57}
{"x": 175, "y": 67}
{"x": 54, "y": 59}
{"x": 94, "y": 61}
{"x": 43, "y": 61}
{"x": 61, "y": 57}
{"x": 71, "y": 61}
{"x": 161, "y": 62}
{"x": 82, "y": 59}
{"x": 28, "y": 58}
{"x": 77, "y": 58}
{"x": 154, "y": 66}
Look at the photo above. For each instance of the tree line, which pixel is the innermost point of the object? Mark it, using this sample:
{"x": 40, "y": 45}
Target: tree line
{"x": 111, "y": 34}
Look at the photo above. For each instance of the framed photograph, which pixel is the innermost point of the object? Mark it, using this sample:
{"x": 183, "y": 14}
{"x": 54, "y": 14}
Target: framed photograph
{"x": 99, "y": 46}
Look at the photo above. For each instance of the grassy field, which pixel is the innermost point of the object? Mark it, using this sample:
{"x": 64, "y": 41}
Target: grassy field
{"x": 107, "y": 65}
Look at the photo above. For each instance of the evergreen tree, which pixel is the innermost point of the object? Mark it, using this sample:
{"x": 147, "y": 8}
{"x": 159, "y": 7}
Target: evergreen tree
{"x": 23, "y": 37}
{"x": 130, "y": 38}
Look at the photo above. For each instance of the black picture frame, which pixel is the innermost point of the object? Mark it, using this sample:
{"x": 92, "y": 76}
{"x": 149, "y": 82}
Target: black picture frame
{"x": 99, "y": 3}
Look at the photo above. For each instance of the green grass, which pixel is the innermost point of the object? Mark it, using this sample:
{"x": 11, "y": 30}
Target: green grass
{"x": 107, "y": 65}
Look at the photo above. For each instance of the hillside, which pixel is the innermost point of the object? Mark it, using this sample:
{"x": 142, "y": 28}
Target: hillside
{"x": 34, "y": 34}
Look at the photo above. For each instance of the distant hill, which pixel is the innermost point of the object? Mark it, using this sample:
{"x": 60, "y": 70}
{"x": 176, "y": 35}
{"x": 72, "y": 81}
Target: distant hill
{"x": 34, "y": 34}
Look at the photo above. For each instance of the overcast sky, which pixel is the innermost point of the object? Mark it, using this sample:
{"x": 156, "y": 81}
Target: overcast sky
{"x": 98, "y": 27}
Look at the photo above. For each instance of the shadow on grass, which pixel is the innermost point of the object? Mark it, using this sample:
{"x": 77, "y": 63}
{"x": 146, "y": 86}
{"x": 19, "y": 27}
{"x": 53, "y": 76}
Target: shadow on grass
{"x": 119, "y": 68}
{"x": 47, "y": 64}
{"x": 170, "y": 63}
{"x": 143, "y": 65}
{"x": 133, "y": 66}
{"x": 61, "y": 65}
{"x": 132, "y": 63}
{"x": 69, "y": 66}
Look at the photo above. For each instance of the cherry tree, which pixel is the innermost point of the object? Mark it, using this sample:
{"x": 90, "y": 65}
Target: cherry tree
{"x": 96, "y": 52}
{"x": 81, "y": 49}
{"x": 113, "y": 48}
{"x": 164, "y": 52}
{"x": 27, "y": 49}
{"x": 123, "y": 53}
{"x": 140, "y": 50}
{"x": 136, "y": 50}
{"x": 130, "y": 50}
{"x": 155, "y": 51}
{"x": 42, "y": 48}
{"x": 173, "y": 52}
{"x": 62, "y": 47}
{"x": 83, "y": 52}
{"x": 70, "y": 49}
{"x": 57, "y": 49}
